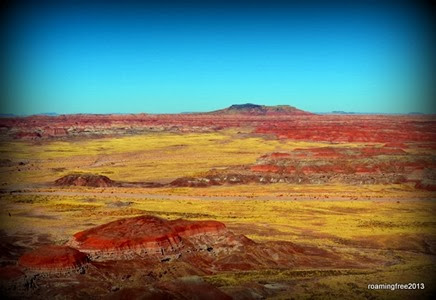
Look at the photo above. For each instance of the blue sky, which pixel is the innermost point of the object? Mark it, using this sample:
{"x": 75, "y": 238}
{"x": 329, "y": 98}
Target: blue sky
{"x": 169, "y": 58}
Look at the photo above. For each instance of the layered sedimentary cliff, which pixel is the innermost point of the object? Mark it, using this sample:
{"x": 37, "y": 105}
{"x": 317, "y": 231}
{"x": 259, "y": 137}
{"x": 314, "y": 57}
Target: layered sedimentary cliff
{"x": 53, "y": 258}
{"x": 148, "y": 235}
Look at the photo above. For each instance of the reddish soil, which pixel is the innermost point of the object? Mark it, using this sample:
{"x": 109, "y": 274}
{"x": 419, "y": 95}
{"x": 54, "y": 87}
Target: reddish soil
{"x": 10, "y": 273}
{"x": 355, "y": 128}
{"x": 53, "y": 258}
{"x": 429, "y": 186}
{"x": 265, "y": 168}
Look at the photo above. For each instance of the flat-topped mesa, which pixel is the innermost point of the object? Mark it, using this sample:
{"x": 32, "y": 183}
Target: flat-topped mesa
{"x": 91, "y": 180}
{"x": 146, "y": 235}
{"x": 53, "y": 258}
{"x": 254, "y": 109}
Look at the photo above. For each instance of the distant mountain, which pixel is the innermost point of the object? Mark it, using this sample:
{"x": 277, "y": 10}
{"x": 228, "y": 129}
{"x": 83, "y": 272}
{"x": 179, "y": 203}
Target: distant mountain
{"x": 7, "y": 115}
{"x": 50, "y": 114}
{"x": 340, "y": 112}
{"x": 255, "y": 109}
{"x": 416, "y": 113}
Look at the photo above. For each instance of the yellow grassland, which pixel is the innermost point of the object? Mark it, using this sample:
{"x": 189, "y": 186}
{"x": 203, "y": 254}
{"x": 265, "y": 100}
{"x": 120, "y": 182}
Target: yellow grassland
{"x": 312, "y": 222}
{"x": 147, "y": 157}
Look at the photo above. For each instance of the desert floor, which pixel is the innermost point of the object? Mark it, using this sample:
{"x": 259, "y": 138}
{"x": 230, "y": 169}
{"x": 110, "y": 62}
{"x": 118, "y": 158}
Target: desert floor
{"x": 388, "y": 229}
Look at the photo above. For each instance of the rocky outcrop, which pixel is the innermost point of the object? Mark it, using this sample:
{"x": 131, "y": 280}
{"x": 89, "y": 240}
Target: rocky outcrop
{"x": 427, "y": 179}
{"x": 194, "y": 182}
{"x": 53, "y": 258}
{"x": 321, "y": 165}
{"x": 55, "y": 131}
{"x": 204, "y": 245}
{"x": 155, "y": 258}
{"x": 147, "y": 235}
{"x": 90, "y": 180}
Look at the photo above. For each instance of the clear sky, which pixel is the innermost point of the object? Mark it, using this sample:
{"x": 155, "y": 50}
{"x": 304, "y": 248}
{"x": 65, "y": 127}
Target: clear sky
{"x": 165, "y": 57}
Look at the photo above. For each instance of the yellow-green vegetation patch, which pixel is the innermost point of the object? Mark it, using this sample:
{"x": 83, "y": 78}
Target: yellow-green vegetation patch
{"x": 146, "y": 157}
{"x": 274, "y": 275}
{"x": 317, "y": 222}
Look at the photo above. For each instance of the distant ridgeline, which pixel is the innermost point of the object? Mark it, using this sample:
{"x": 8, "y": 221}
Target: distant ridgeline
{"x": 255, "y": 109}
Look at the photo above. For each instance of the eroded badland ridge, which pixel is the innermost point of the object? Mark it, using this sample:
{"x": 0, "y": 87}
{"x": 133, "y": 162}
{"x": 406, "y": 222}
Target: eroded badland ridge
{"x": 283, "y": 121}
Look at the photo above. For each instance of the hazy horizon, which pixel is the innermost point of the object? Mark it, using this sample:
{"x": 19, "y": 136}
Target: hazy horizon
{"x": 167, "y": 57}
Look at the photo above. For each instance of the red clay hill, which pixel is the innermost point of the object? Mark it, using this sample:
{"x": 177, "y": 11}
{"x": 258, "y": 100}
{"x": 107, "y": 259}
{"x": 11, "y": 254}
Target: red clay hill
{"x": 206, "y": 246}
{"x": 155, "y": 258}
{"x": 53, "y": 258}
{"x": 146, "y": 235}
{"x": 85, "y": 179}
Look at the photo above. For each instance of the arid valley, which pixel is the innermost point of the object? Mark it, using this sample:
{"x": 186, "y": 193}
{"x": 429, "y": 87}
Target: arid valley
{"x": 247, "y": 202}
